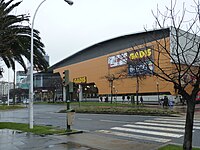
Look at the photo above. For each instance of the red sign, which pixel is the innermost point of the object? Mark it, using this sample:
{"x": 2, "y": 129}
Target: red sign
{"x": 198, "y": 96}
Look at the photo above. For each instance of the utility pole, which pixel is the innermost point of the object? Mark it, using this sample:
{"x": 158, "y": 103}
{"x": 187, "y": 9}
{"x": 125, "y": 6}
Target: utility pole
{"x": 8, "y": 98}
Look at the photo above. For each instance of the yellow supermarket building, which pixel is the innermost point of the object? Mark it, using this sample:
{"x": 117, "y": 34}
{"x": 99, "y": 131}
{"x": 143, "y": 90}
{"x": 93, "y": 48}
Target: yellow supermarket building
{"x": 102, "y": 70}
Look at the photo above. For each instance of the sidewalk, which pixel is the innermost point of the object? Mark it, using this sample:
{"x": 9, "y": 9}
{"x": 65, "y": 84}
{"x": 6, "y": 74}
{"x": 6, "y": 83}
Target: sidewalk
{"x": 12, "y": 140}
{"x": 183, "y": 110}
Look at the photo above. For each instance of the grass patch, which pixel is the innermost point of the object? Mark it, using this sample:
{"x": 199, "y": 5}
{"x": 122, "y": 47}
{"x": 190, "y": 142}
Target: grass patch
{"x": 11, "y": 107}
{"x": 174, "y": 147}
{"x": 41, "y": 130}
{"x": 118, "y": 108}
{"x": 101, "y": 104}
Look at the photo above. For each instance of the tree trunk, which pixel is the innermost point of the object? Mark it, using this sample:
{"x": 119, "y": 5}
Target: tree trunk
{"x": 187, "y": 145}
{"x": 111, "y": 91}
{"x": 54, "y": 95}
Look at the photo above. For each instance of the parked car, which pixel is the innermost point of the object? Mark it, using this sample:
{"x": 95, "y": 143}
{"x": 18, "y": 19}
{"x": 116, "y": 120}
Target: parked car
{"x": 10, "y": 101}
{"x": 25, "y": 101}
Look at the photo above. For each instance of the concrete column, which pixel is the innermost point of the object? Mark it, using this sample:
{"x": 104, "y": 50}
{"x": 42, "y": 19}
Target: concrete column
{"x": 64, "y": 94}
{"x": 80, "y": 92}
{"x": 41, "y": 81}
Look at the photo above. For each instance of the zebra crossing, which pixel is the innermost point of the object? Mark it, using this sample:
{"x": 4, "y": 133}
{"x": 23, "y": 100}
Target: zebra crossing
{"x": 161, "y": 129}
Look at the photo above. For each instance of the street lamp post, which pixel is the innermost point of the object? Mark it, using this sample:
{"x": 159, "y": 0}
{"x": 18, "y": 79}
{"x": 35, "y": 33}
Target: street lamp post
{"x": 157, "y": 84}
{"x": 31, "y": 67}
{"x": 8, "y": 87}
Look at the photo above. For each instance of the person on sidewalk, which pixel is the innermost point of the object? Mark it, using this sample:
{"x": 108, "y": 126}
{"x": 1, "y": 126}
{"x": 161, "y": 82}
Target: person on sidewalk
{"x": 123, "y": 98}
{"x": 141, "y": 100}
{"x": 165, "y": 101}
{"x": 171, "y": 103}
{"x": 128, "y": 98}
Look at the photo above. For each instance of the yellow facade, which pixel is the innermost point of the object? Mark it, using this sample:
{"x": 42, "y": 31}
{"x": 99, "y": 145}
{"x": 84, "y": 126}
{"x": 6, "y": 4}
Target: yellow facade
{"x": 97, "y": 68}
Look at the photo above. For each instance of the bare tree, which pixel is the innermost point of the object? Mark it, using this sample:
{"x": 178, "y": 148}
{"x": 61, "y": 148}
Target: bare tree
{"x": 177, "y": 58}
{"x": 115, "y": 61}
{"x": 111, "y": 78}
{"x": 131, "y": 67}
{"x": 138, "y": 67}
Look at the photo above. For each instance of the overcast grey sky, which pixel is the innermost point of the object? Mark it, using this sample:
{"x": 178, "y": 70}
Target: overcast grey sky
{"x": 67, "y": 29}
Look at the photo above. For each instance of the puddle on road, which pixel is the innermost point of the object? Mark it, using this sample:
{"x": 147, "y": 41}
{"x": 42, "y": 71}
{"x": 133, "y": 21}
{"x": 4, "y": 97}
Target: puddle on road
{"x": 17, "y": 138}
{"x": 73, "y": 145}
{"x": 9, "y": 132}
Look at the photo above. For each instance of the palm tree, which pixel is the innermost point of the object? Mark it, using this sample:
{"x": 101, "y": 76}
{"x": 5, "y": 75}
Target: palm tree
{"x": 15, "y": 38}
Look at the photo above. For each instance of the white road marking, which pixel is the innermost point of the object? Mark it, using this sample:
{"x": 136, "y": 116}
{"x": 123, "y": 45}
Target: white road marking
{"x": 165, "y": 125}
{"x": 140, "y": 137}
{"x": 154, "y": 128}
{"x": 148, "y": 132}
{"x": 170, "y": 122}
{"x": 85, "y": 119}
{"x": 167, "y": 122}
{"x": 175, "y": 119}
{"x": 115, "y": 121}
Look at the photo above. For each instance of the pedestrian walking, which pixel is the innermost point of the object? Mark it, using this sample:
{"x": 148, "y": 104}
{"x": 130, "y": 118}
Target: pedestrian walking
{"x": 101, "y": 98}
{"x": 165, "y": 101}
{"x": 171, "y": 103}
{"x": 132, "y": 99}
{"x": 141, "y": 100}
{"x": 123, "y": 98}
{"x": 106, "y": 99}
{"x": 128, "y": 98}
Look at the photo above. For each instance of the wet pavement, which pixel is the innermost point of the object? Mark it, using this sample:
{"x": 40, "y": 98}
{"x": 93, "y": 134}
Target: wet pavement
{"x": 14, "y": 140}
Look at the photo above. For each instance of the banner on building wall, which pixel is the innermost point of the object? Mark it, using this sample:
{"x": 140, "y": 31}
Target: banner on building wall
{"x": 23, "y": 86}
{"x": 140, "y": 62}
{"x": 20, "y": 77}
{"x": 117, "y": 60}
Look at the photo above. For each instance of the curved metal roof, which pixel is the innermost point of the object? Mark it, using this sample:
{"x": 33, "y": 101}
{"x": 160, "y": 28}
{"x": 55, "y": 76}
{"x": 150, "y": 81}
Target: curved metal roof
{"x": 112, "y": 45}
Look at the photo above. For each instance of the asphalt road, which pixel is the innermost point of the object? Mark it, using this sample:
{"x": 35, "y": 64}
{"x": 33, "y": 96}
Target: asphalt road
{"x": 150, "y": 128}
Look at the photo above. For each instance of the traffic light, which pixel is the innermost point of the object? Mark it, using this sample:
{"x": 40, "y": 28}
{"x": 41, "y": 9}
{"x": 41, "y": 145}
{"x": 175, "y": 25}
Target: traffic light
{"x": 71, "y": 87}
{"x": 65, "y": 77}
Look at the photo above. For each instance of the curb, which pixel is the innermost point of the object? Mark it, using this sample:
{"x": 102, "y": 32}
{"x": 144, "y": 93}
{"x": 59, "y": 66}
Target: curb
{"x": 72, "y": 132}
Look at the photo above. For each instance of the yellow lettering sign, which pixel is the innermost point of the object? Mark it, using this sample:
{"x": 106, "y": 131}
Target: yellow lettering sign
{"x": 80, "y": 80}
{"x": 140, "y": 54}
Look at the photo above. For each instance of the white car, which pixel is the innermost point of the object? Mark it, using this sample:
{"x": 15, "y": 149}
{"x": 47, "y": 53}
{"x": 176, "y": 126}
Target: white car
{"x": 25, "y": 101}
{"x": 10, "y": 101}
